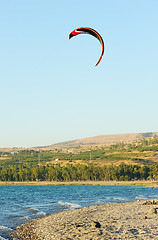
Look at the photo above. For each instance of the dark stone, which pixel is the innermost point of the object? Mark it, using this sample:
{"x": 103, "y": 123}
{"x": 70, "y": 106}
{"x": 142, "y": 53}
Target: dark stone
{"x": 78, "y": 225}
{"x": 151, "y": 202}
{"x": 96, "y": 224}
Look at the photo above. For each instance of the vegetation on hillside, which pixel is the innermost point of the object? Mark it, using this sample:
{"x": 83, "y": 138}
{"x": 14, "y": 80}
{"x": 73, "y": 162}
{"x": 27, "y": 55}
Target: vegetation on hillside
{"x": 137, "y": 160}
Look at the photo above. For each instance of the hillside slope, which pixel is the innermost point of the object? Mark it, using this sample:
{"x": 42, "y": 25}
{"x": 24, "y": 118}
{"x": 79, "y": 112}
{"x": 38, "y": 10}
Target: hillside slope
{"x": 104, "y": 140}
{"x": 91, "y": 141}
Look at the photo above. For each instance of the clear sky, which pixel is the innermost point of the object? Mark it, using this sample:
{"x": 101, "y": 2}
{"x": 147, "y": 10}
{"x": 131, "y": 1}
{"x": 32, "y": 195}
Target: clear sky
{"x": 50, "y": 89}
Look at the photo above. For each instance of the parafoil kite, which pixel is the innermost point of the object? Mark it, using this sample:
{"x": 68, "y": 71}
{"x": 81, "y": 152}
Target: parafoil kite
{"x": 86, "y": 30}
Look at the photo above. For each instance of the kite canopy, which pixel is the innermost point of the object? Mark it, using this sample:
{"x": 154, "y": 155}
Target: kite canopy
{"x": 86, "y": 30}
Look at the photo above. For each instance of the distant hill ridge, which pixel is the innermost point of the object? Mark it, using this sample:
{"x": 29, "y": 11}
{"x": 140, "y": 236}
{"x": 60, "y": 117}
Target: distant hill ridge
{"x": 92, "y": 141}
{"x": 105, "y": 140}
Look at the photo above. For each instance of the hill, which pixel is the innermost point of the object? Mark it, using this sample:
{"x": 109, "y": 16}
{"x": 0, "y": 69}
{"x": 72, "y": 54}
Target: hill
{"x": 127, "y": 159}
{"x": 91, "y": 141}
{"x": 104, "y": 140}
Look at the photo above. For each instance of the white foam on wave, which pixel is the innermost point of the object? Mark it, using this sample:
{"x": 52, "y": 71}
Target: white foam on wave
{"x": 36, "y": 211}
{"x": 140, "y": 197}
{"x": 1, "y": 238}
{"x": 24, "y": 217}
{"x": 153, "y": 196}
{"x": 41, "y": 213}
{"x": 4, "y": 228}
{"x": 69, "y": 205}
{"x": 108, "y": 198}
{"x": 98, "y": 202}
{"x": 119, "y": 198}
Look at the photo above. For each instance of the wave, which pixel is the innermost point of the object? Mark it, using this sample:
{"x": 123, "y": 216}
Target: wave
{"x": 23, "y": 218}
{"x": 120, "y": 199}
{"x": 69, "y": 205}
{"x": 42, "y": 204}
{"x": 99, "y": 202}
{"x": 108, "y": 198}
{"x": 6, "y": 229}
{"x": 153, "y": 196}
{"x": 35, "y": 211}
{"x": 1, "y": 238}
{"x": 141, "y": 197}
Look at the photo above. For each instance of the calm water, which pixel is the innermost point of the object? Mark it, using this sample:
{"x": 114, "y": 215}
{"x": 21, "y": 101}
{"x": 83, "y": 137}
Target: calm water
{"x": 19, "y": 204}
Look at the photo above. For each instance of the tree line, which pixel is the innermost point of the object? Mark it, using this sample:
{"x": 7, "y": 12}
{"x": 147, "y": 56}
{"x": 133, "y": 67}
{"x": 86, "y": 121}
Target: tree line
{"x": 79, "y": 172}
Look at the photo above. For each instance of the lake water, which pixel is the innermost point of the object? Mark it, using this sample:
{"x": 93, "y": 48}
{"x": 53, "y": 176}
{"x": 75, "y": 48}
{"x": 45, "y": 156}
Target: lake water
{"x": 20, "y": 204}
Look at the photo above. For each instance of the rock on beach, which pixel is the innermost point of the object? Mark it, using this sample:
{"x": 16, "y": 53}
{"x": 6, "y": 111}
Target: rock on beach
{"x": 134, "y": 220}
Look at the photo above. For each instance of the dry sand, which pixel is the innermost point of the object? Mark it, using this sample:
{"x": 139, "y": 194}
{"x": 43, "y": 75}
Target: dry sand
{"x": 149, "y": 183}
{"x": 134, "y": 220}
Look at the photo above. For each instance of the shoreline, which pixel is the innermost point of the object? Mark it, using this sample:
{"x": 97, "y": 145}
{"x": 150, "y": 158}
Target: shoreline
{"x": 135, "y": 182}
{"x": 130, "y": 220}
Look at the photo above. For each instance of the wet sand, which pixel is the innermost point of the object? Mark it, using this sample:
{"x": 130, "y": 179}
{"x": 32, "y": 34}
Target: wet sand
{"x": 133, "y": 220}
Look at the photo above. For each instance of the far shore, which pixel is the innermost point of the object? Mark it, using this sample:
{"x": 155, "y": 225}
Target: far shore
{"x": 151, "y": 183}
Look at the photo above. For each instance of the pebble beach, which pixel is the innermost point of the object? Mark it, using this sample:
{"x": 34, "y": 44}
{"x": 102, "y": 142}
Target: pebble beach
{"x": 131, "y": 220}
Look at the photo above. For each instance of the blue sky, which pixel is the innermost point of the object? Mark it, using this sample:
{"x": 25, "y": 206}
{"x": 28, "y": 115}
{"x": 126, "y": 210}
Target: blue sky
{"x": 51, "y": 90}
